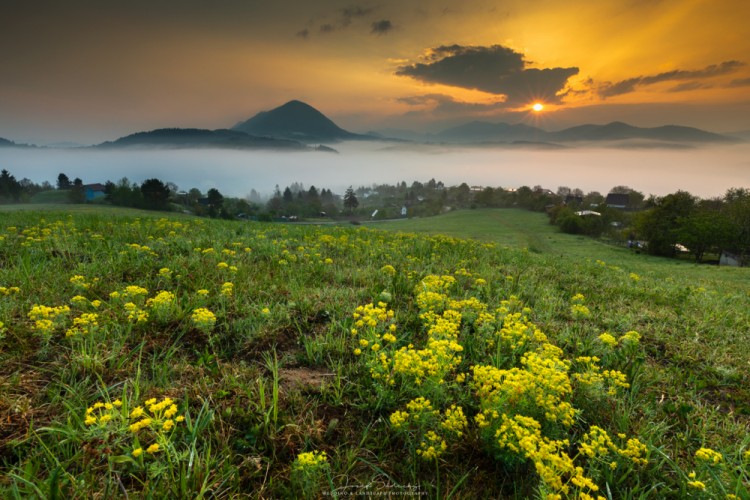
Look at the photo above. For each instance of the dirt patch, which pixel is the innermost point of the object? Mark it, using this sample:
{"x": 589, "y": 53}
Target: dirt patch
{"x": 303, "y": 379}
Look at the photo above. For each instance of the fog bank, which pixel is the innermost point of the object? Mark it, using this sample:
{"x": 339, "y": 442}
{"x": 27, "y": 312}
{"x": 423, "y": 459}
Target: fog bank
{"x": 706, "y": 171}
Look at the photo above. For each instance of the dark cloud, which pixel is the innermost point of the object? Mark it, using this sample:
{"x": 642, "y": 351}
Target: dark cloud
{"x": 441, "y": 104}
{"x": 381, "y": 27}
{"x": 352, "y": 12}
{"x": 686, "y": 86}
{"x": 495, "y": 69}
{"x": 626, "y": 86}
{"x": 342, "y": 18}
{"x": 741, "y": 82}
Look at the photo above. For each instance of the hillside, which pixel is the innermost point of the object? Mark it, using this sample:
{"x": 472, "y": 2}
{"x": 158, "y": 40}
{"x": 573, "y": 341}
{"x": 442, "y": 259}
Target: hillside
{"x": 197, "y": 138}
{"x": 295, "y": 120}
{"x": 159, "y": 356}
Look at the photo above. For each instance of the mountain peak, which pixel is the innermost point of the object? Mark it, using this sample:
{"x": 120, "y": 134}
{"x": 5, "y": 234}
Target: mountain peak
{"x": 294, "y": 120}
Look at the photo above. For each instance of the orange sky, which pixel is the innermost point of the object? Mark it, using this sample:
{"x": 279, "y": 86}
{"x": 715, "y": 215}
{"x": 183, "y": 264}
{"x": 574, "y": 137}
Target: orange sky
{"x": 89, "y": 71}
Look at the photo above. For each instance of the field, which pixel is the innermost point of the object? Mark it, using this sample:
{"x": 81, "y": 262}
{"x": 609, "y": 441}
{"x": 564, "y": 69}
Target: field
{"x": 175, "y": 357}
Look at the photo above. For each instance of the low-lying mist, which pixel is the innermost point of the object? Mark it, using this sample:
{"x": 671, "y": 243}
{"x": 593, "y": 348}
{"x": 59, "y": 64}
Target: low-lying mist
{"x": 705, "y": 171}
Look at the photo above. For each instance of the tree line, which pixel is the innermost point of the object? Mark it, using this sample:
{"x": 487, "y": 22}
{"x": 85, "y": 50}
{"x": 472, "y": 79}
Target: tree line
{"x": 664, "y": 225}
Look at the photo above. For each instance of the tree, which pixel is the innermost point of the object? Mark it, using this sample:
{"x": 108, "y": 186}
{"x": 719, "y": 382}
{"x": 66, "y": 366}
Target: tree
{"x": 63, "y": 182}
{"x": 194, "y": 196}
{"x": 77, "y": 193}
{"x": 288, "y": 196}
{"x": 10, "y": 188}
{"x": 155, "y": 194}
{"x": 635, "y": 198}
{"x": 703, "y": 230}
{"x": 738, "y": 209}
{"x": 215, "y": 201}
{"x": 661, "y": 225}
{"x": 350, "y": 199}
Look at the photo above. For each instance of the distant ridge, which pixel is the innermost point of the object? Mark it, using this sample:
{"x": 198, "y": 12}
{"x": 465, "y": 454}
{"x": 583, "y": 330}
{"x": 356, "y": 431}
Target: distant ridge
{"x": 194, "y": 137}
{"x": 481, "y": 132}
{"x": 7, "y": 143}
{"x": 296, "y": 120}
{"x": 620, "y": 131}
{"x": 485, "y": 131}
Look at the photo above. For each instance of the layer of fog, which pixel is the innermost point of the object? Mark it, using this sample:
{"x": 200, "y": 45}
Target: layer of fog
{"x": 706, "y": 171}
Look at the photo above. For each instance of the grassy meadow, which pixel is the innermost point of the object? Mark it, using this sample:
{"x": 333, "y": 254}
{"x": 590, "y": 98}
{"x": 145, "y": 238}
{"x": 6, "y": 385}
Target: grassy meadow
{"x": 149, "y": 356}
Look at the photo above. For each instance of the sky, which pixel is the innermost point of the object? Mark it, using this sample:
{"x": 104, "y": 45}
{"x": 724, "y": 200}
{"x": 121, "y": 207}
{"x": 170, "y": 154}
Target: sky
{"x": 87, "y": 71}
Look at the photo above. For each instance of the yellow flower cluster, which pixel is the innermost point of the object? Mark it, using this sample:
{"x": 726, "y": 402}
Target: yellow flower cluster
{"x": 44, "y": 317}
{"x": 203, "y": 319}
{"x": 84, "y": 324}
{"x": 101, "y": 413}
{"x": 131, "y": 295}
{"x": 591, "y": 375}
{"x": 9, "y": 290}
{"x": 162, "y": 300}
{"x": 540, "y": 387}
{"x": 579, "y": 311}
{"x": 80, "y": 282}
{"x": 432, "y": 428}
{"x": 135, "y": 314}
{"x": 709, "y": 456}
{"x": 598, "y": 444}
{"x": 158, "y": 417}
{"x": 698, "y": 485}
{"x": 388, "y": 269}
{"x": 631, "y": 338}
{"x": 227, "y": 289}
{"x": 432, "y": 446}
{"x": 608, "y": 339}
{"x": 310, "y": 460}
{"x": 142, "y": 249}
{"x": 523, "y": 436}
{"x": 440, "y": 356}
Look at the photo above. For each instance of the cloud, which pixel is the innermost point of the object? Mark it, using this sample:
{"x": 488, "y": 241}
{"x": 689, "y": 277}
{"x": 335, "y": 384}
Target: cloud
{"x": 381, "y": 27}
{"x": 345, "y": 17}
{"x": 352, "y": 12}
{"x": 495, "y": 69}
{"x": 441, "y": 104}
{"x": 629, "y": 85}
{"x": 686, "y": 86}
{"x": 741, "y": 82}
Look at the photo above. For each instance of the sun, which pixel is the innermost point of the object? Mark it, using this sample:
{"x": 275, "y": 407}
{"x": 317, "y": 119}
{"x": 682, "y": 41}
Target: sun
{"x": 538, "y": 106}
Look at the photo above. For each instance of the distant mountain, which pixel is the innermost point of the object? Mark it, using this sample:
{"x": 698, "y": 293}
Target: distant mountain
{"x": 196, "y": 138}
{"x": 617, "y": 131}
{"x": 296, "y": 120}
{"x": 6, "y": 142}
{"x": 400, "y": 134}
{"x": 740, "y": 134}
{"x": 478, "y": 131}
{"x": 484, "y": 132}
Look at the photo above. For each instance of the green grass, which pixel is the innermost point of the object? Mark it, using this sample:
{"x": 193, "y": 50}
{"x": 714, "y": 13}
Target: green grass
{"x": 524, "y": 229}
{"x": 259, "y": 340}
{"x": 51, "y": 197}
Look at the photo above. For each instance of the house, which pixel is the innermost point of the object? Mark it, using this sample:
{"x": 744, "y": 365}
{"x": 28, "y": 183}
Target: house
{"x": 572, "y": 199}
{"x": 618, "y": 200}
{"x": 94, "y": 191}
{"x": 729, "y": 259}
